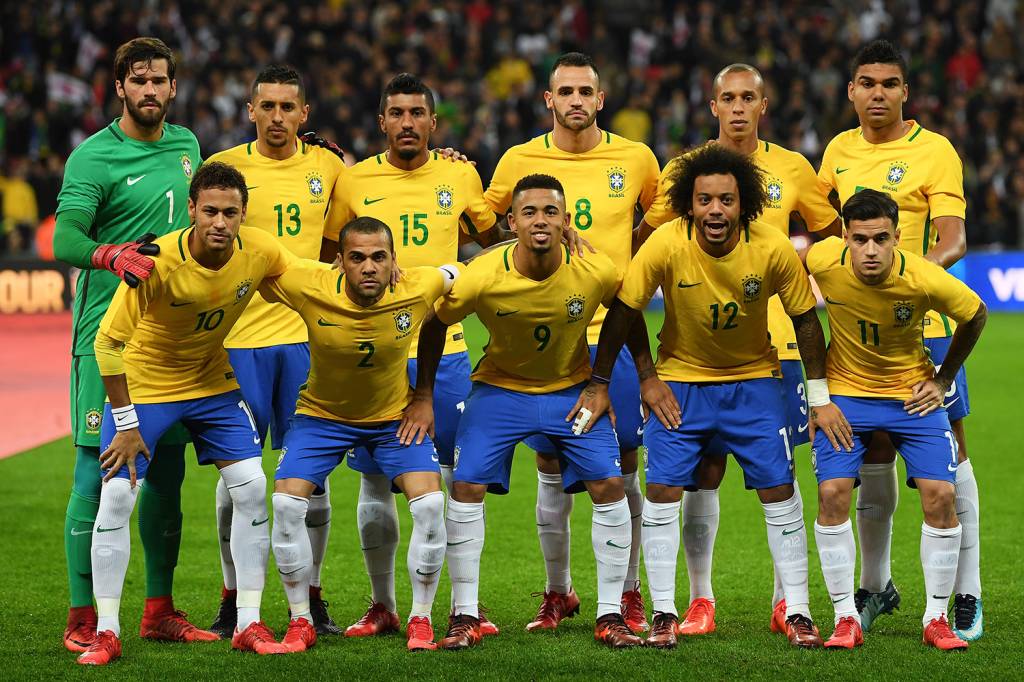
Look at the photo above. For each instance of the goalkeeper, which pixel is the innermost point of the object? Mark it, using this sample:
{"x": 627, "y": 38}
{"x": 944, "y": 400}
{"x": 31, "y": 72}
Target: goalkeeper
{"x": 128, "y": 179}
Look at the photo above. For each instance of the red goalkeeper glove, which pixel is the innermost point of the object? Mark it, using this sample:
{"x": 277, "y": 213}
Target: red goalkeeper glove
{"x": 129, "y": 261}
{"x": 315, "y": 140}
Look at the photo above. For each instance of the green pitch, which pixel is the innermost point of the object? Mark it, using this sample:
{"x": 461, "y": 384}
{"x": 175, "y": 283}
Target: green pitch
{"x": 34, "y": 488}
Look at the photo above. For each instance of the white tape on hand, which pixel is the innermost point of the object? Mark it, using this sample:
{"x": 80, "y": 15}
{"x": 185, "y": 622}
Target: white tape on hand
{"x": 581, "y": 421}
{"x": 817, "y": 392}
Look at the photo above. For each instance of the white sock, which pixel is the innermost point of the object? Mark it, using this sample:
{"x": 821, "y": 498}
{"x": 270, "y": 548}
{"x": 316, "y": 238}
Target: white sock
{"x": 223, "y": 506}
{"x": 447, "y": 472}
{"x": 610, "y": 536}
{"x": 700, "y": 526}
{"x": 660, "y": 534}
{"x": 635, "y": 499}
{"x": 465, "y": 544}
{"x": 876, "y": 503}
{"x": 377, "y": 518}
{"x": 250, "y": 534}
{"x": 426, "y": 550}
{"x": 111, "y": 547}
{"x": 318, "y": 527}
{"x": 968, "y": 571}
{"x": 292, "y": 551}
{"x": 940, "y": 552}
{"x": 778, "y": 593}
{"x": 838, "y": 555}
{"x": 554, "y": 507}
{"x": 787, "y": 540}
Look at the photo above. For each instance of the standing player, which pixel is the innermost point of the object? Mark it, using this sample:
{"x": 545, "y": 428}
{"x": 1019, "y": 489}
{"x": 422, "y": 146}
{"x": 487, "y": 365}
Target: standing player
{"x": 360, "y": 331}
{"x": 161, "y": 345}
{"x": 605, "y": 178}
{"x": 289, "y": 186}
{"x": 429, "y": 199}
{"x": 739, "y": 103}
{"x": 881, "y": 377}
{"x": 536, "y": 301}
{"x": 921, "y": 171}
{"x": 130, "y": 178}
{"x": 718, "y": 272}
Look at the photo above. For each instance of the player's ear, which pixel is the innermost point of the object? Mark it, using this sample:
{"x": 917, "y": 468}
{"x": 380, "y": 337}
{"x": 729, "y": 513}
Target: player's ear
{"x": 174, "y": 88}
{"x": 191, "y": 211}
{"x": 252, "y": 112}
{"x": 600, "y": 100}
{"x": 896, "y": 237}
{"x": 906, "y": 92}
{"x": 305, "y": 114}
{"x": 849, "y": 91}
{"x": 548, "y": 100}
{"x": 119, "y": 89}
{"x": 714, "y": 108}
{"x": 380, "y": 122}
{"x": 433, "y": 122}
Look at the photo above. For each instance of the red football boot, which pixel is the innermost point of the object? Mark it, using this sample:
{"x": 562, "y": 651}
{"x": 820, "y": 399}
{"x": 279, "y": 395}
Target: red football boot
{"x": 802, "y": 632}
{"x": 105, "y": 648}
{"x": 699, "y": 618}
{"x": 554, "y": 607}
{"x": 846, "y": 635}
{"x": 258, "y": 638}
{"x": 939, "y": 635}
{"x": 301, "y": 635}
{"x": 419, "y": 634}
{"x": 487, "y": 628}
{"x": 80, "y": 632}
{"x": 633, "y": 612}
{"x": 376, "y": 621}
{"x": 612, "y": 631}
{"x": 463, "y": 633}
{"x": 161, "y": 621}
{"x": 778, "y": 622}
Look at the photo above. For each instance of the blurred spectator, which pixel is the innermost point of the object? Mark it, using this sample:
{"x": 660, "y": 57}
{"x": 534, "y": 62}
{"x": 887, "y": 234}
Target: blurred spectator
{"x": 20, "y": 212}
{"x": 488, "y": 62}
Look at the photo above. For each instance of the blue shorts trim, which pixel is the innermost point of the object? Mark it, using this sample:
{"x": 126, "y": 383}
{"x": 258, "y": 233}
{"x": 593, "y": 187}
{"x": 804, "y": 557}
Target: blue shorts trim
{"x": 451, "y": 388}
{"x": 313, "y": 447}
{"x": 624, "y": 391}
{"x": 746, "y": 418}
{"x": 957, "y": 401}
{"x": 221, "y": 425}
{"x": 927, "y": 444}
{"x": 496, "y": 419}
{"x": 270, "y": 379}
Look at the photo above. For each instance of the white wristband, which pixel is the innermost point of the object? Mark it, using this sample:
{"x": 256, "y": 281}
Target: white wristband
{"x": 125, "y": 418}
{"x": 817, "y": 392}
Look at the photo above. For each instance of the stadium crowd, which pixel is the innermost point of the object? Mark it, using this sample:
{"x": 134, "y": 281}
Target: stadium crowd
{"x": 487, "y": 60}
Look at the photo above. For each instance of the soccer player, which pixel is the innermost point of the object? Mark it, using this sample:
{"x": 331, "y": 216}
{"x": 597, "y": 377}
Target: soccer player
{"x": 360, "y": 330}
{"x": 605, "y": 178}
{"x": 290, "y": 183}
{"x": 718, "y": 271}
{"x": 881, "y": 377}
{"x": 160, "y": 351}
{"x": 921, "y": 171}
{"x": 536, "y": 301}
{"x": 739, "y": 102}
{"x": 430, "y": 200}
{"x": 130, "y": 178}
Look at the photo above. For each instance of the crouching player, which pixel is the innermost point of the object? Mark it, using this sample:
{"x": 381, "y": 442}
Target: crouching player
{"x": 880, "y": 376}
{"x": 536, "y": 301}
{"x": 360, "y": 330}
{"x": 160, "y": 351}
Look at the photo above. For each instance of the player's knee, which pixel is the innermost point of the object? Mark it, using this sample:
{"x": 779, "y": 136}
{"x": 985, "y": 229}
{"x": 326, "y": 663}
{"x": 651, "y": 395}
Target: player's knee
{"x": 116, "y": 502}
{"x": 711, "y": 471}
{"x": 289, "y": 516}
{"x": 833, "y": 502}
{"x": 548, "y": 463}
{"x": 880, "y": 449}
{"x": 664, "y": 494}
{"x": 628, "y": 460}
{"x": 938, "y": 502}
{"x": 779, "y": 493}
{"x": 606, "y": 490}
{"x": 247, "y": 484}
{"x": 463, "y": 491}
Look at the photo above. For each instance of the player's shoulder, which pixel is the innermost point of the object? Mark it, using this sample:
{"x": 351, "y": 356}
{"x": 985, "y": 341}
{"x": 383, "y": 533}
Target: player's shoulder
{"x": 232, "y": 155}
{"x": 487, "y": 266}
{"x": 925, "y": 139}
{"x": 843, "y": 141}
{"x": 323, "y": 159}
{"x": 416, "y": 280}
{"x": 179, "y": 133}
{"x": 173, "y": 250}
{"x": 779, "y": 154}
{"x": 626, "y": 146}
{"x": 254, "y": 239}
{"x": 597, "y": 263}
{"x": 531, "y": 147}
{"x": 97, "y": 146}
{"x": 826, "y": 254}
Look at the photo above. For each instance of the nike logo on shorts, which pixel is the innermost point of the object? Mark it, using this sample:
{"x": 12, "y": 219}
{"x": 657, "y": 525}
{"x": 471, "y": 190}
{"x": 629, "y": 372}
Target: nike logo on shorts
{"x": 132, "y": 181}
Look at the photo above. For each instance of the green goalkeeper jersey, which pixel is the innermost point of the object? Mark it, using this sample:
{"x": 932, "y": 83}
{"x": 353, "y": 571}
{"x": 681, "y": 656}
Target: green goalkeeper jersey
{"x": 127, "y": 188}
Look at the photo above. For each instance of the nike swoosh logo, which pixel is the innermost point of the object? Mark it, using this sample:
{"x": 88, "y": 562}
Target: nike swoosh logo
{"x": 840, "y": 171}
{"x": 505, "y": 313}
{"x": 951, "y": 402}
{"x": 290, "y": 572}
{"x": 460, "y": 542}
{"x": 951, "y": 468}
{"x": 543, "y": 525}
{"x": 684, "y": 285}
{"x": 795, "y": 530}
{"x": 836, "y": 601}
{"x": 653, "y": 525}
{"x": 419, "y": 572}
{"x": 132, "y": 181}
{"x": 433, "y": 458}
{"x": 107, "y": 530}
{"x": 367, "y": 200}
{"x": 611, "y": 543}
{"x": 935, "y": 596}
{"x": 171, "y": 533}
{"x": 260, "y": 523}
{"x": 84, "y": 532}
{"x": 863, "y": 508}
{"x": 324, "y": 323}
{"x": 829, "y": 300}
{"x": 801, "y": 429}
{"x": 178, "y": 304}
{"x": 367, "y": 549}
{"x": 317, "y": 525}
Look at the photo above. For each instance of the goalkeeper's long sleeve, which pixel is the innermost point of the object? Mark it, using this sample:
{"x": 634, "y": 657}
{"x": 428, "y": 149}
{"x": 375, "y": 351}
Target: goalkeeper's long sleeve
{"x": 71, "y": 242}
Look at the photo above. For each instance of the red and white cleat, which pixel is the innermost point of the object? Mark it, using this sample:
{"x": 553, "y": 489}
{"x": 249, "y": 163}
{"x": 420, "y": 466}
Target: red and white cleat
{"x": 554, "y": 607}
{"x": 487, "y": 628}
{"x": 258, "y": 638}
{"x": 376, "y": 621}
{"x": 161, "y": 621}
{"x": 778, "y": 623}
{"x": 633, "y": 612}
{"x": 105, "y": 648}
{"x": 301, "y": 635}
{"x": 699, "y": 618}
{"x": 939, "y": 635}
{"x": 419, "y": 634}
{"x": 846, "y": 635}
{"x": 80, "y": 632}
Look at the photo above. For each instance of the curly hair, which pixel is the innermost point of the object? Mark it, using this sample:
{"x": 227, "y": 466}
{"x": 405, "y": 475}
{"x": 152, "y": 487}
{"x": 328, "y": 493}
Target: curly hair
{"x": 218, "y": 175}
{"x": 714, "y": 159}
{"x": 878, "y": 52}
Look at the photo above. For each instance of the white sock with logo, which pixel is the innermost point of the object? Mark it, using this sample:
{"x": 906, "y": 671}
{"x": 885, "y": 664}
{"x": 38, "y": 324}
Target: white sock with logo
{"x": 778, "y": 593}
{"x": 250, "y": 534}
{"x": 940, "y": 553}
{"x": 377, "y": 518}
{"x": 554, "y": 507}
{"x": 610, "y": 536}
{"x": 660, "y": 534}
{"x": 426, "y": 550}
{"x": 838, "y": 555}
{"x": 787, "y": 540}
{"x": 968, "y": 571}
{"x": 700, "y": 527}
{"x": 224, "y": 507}
{"x": 318, "y": 527}
{"x": 876, "y": 503}
{"x": 635, "y": 499}
{"x": 465, "y": 544}
{"x": 292, "y": 551}
{"x": 111, "y": 548}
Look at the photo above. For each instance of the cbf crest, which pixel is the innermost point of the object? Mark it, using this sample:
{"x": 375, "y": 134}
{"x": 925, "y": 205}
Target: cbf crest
{"x": 774, "y": 191}
{"x": 903, "y": 312}
{"x": 186, "y": 167}
{"x": 894, "y": 176}
{"x": 403, "y": 322}
{"x": 242, "y": 290}
{"x": 616, "y": 182}
{"x": 93, "y": 421}
{"x": 445, "y": 199}
{"x": 575, "y": 306}
{"x": 315, "y": 184}
{"x": 751, "y": 288}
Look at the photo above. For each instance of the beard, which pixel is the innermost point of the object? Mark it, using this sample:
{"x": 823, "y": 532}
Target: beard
{"x": 146, "y": 117}
{"x": 575, "y": 123}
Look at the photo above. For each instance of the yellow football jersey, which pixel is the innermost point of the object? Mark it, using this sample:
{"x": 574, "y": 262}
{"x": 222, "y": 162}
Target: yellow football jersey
{"x": 358, "y": 356}
{"x": 716, "y": 309}
{"x": 538, "y": 330}
{"x": 792, "y": 186}
{"x": 174, "y": 324}
{"x": 602, "y": 189}
{"x": 921, "y": 172}
{"x": 875, "y": 348}
{"x": 424, "y": 208}
{"x": 288, "y": 200}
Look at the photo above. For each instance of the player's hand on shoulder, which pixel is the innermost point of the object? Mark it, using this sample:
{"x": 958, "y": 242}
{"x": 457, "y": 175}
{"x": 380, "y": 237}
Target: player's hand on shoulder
{"x": 311, "y": 138}
{"x": 417, "y": 420}
{"x": 926, "y": 396}
{"x": 571, "y": 238}
{"x": 130, "y": 261}
{"x": 592, "y": 404}
{"x": 123, "y": 449}
{"x": 657, "y": 397}
{"x": 831, "y": 420}
{"x": 454, "y": 155}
